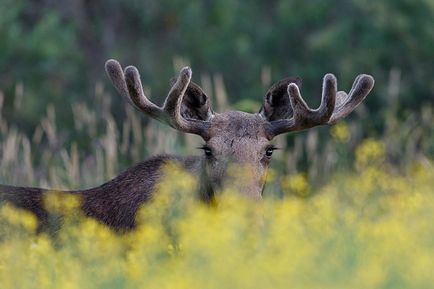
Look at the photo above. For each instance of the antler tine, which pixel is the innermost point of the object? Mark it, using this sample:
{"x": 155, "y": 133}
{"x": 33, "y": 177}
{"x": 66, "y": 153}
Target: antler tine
{"x": 306, "y": 117}
{"x": 116, "y": 75}
{"x": 346, "y": 103}
{"x": 129, "y": 85}
{"x": 137, "y": 95}
{"x": 303, "y": 116}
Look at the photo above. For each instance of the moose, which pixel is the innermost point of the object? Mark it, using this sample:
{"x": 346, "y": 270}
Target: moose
{"x": 232, "y": 137}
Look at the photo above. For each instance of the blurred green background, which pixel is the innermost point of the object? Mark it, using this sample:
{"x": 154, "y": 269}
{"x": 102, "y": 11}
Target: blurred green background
{"x": 55, "y": 97}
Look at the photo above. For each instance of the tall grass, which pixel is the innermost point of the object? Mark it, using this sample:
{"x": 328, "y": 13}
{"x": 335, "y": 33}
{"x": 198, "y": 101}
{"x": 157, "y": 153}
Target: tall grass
{"x": 100, "y": 145}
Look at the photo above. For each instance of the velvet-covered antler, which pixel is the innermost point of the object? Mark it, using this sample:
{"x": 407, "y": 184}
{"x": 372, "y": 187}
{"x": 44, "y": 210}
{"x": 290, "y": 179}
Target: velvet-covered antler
{"x": 335, "y": 105}
{"x": 128, "y": 84}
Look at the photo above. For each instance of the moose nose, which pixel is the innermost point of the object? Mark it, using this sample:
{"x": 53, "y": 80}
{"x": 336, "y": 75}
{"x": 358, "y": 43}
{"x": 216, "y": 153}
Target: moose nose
{"x": 246, "y": 180}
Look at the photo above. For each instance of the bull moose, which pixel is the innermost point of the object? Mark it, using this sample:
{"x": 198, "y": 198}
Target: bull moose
{"x": 232, "y": 137}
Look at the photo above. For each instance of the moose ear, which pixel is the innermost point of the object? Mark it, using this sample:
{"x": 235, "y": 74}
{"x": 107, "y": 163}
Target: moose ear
{"x": 195, "y": 104}
{"x": 276, "y": 104}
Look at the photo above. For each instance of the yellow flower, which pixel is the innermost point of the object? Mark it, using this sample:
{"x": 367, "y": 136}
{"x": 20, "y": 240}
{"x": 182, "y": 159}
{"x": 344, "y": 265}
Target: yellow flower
{"x": 60, "y": 202}
{"x": 296, "y": 184}
{"x": 362, "y": 230}
{"x": 18, "y": 217}
{"x": 340, "y": 132}
{"x": 369, "y": 152}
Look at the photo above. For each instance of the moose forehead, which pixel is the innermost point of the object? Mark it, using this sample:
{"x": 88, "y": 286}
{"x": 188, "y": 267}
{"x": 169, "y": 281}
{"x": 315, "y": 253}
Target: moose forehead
{"x": 236, "y": 125}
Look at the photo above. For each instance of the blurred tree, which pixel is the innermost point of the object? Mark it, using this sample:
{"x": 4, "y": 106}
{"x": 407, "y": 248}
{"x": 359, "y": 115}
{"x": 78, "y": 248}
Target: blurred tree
{"x": 58, "y": 48}
{"x": 38, "y": 50}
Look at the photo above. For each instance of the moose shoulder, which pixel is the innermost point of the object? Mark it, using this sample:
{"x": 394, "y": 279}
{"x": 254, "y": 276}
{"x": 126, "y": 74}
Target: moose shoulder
{"x": 230, "y": 138}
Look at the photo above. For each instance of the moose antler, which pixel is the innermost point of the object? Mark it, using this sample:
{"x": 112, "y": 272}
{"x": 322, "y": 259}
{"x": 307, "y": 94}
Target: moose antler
{"x": 128, "y": 84}
{"x": 334, "y": 106}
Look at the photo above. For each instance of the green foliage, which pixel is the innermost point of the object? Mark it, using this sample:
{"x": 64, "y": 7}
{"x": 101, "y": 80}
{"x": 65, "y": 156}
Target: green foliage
{"x": 39, "y": 50}
{"x": 307, "y": 38}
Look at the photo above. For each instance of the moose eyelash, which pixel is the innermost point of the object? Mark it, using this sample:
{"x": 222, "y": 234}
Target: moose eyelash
{"x": 203, "y": 147}
{"x": 273, "y": 147}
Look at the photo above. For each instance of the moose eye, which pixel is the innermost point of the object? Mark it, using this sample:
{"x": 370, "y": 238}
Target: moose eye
{"x": 207, "y": 150}
{"x": 269, "y": 151}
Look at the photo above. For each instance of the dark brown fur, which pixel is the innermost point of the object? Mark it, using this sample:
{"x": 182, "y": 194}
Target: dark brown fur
{"x": 114, "y": 203}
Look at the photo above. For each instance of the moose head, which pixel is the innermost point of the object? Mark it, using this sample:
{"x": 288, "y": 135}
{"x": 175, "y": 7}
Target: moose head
{"x": 234, "y": 137}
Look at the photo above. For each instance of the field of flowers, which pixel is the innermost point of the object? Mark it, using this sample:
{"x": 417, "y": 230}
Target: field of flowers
{"x": 369, "y": 229}
{"x": 342, "y": 209}
{"x": 346, "y": 206}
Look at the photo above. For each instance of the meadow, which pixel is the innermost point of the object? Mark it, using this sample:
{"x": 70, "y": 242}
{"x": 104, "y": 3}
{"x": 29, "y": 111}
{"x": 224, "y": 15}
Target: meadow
{"x": 345, "y": 206}
{"x": 373, "y": 229}
{"x": 349, "y": 211}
